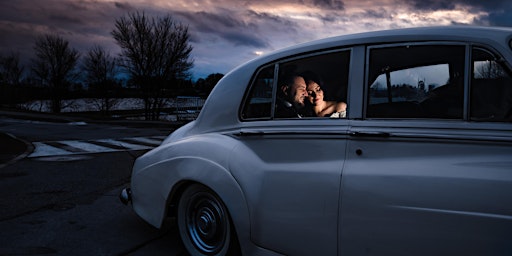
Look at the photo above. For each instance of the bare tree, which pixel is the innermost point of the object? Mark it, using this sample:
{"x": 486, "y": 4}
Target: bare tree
{"x": 100, "y": 74}
{"x": 11, "y": 72}
{"x": 489, "y": 69}
{"x": 155, "y": 52}
{"x": 54, "y": 65}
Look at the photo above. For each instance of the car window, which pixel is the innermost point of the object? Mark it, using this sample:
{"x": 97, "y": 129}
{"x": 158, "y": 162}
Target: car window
{"x": 314, "y": 86}
{"x": 491, "y": 88}
{"x": 259, "y": 103}
{"x": 416, "y": 81}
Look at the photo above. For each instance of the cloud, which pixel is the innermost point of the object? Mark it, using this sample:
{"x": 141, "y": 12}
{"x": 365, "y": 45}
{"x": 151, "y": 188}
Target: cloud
{"x": 124, "y": 6}
{"x": 329, "y": 4}
{"x": 323, "y": 4}
{"x": 453, "y": 4}
{"x": 499, "y": 12}
{"x": 378, "y": 14}
{"x": 225, "y": 26}
{"x": 268, "y": 17}
{"x": 431, "y": 5}
{"x": 226, "y": 33}
{"x": 501, "y": 18}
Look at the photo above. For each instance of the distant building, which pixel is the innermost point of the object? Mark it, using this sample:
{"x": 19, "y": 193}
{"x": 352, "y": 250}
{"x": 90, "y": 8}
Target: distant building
{"x": 421, "y": 85}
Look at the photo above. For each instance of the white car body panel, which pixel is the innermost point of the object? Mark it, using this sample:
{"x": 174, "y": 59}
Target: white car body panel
{"x": 281, "y": 182}
{"x": 376, "y": 187}
{"x": 432, "y": 191}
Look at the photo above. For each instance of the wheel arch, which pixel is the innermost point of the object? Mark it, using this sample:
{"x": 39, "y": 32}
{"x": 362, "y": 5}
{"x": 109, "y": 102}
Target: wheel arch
{"x": 176, "y": 174}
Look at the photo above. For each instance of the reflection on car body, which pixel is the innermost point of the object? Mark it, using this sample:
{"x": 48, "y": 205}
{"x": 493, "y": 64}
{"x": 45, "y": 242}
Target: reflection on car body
{"x": 421, "y": 165}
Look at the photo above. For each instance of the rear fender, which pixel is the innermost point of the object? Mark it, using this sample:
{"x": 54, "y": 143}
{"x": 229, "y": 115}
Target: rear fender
{"x": 161, "y": 180}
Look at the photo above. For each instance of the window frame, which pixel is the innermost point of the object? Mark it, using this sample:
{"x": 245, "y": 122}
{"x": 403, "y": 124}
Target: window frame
{"x": 366, "y": 85}
{"x": 247, "y": 94}
{"x": 498, "y": 58}
{"x": 277, "y": 65}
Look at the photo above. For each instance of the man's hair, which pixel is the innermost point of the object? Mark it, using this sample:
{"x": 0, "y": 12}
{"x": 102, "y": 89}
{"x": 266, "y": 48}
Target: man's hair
{"x": 288, "y": 80}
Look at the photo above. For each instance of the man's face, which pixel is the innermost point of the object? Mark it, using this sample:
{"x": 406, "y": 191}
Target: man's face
{"x": 298, "y": 91}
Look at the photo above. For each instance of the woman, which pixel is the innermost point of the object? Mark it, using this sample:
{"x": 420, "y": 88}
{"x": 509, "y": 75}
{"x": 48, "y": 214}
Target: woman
{"x": 321, "y": 107}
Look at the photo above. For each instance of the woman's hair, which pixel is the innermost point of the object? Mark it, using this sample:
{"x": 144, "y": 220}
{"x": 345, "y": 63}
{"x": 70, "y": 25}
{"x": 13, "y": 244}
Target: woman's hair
{"x": 311, "y": 76}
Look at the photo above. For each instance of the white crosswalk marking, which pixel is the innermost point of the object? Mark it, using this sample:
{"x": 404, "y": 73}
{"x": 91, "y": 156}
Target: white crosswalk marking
{"x": 87, "y": 146}
{"x": 41, "y": 149}
{"x": 124, "y": 144}
{"x": 70, "y": 147}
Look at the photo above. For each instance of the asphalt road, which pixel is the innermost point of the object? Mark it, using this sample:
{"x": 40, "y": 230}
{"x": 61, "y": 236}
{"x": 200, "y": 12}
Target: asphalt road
{"x": 10, "y": 148}
{"x": 67, "y": 204}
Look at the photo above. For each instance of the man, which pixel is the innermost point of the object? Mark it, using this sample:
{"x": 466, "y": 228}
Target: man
{"x": 290, "y": 100}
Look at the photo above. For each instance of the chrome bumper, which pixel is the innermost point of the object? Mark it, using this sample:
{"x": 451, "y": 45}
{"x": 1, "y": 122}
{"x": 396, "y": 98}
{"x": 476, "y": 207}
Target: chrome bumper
{"x": 125, "y": 196}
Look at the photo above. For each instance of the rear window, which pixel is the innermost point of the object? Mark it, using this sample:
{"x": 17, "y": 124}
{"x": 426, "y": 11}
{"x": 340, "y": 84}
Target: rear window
{"x": 259, "y": 104}
{"x": 309, "y": 86}
{"x": 491, "y": 88}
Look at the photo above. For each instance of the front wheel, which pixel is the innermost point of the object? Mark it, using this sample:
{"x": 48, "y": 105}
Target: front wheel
{"x": 204, "y": 223}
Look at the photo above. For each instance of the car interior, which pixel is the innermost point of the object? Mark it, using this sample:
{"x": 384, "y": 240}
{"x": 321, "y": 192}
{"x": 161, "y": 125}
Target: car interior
{"x": 400, "y": 97}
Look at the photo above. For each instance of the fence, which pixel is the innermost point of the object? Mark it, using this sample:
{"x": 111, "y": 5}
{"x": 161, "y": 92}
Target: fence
{"x": 188, "y": 108}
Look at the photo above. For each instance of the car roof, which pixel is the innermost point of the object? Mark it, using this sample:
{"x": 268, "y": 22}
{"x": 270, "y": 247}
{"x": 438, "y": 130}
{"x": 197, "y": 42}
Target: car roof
{"x": 500, "y": 35}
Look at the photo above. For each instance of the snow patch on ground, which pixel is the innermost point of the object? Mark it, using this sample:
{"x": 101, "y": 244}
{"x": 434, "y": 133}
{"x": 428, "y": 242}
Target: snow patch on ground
{"x": 181, "y": 104}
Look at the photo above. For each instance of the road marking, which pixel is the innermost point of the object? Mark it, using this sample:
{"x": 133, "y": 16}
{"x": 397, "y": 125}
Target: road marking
{"x": 67, "y": 147}
{"x": 74, "y": 147}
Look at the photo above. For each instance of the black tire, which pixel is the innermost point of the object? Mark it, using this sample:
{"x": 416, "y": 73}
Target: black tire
{"x": 204, "y": 223}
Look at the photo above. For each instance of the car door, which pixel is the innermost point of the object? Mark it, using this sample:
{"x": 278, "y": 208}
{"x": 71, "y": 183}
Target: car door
{"x": 292, "y": 168}
{"x": 427, "y": 173}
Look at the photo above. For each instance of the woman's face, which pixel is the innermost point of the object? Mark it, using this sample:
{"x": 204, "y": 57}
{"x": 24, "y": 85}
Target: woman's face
{"x": 315, "y": 93}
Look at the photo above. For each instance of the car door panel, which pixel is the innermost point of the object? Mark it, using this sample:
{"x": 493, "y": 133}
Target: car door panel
{"x": 293, "y": 189}
{"x": 427, "y": 194}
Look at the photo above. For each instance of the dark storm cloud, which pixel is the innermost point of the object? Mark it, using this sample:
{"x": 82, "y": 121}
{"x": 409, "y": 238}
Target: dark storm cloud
{"x": 227, "y": 32}
{"x": 54, "y": 16}
{"x": 432, "y": 4}
{"x": 329, "y": 4}
{"x": 379, "y": 13}
{"x": 225, "y": 26}
{"x": 450, "y": 5}
{"x": 207, "y": 22}
{"x": 267, "y": 17}
{"x": 245, "y": 39}
{"x": 323, "y": 4}
{"x": 328, "y": 18}
{"x": 124, "y": 6}
{"x": 503, "y": 18}
{"x": 500, "y": 11}
{"x": 82, "y": 23}
{"x": 66, "y": 19}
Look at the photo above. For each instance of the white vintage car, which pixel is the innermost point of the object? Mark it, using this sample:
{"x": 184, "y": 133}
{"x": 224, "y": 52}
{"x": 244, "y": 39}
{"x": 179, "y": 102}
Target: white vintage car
{"x": 412, "y": 156}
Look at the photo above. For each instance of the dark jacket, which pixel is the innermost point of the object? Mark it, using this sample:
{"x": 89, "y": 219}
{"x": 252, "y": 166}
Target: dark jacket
{"x": 285, "y": 109}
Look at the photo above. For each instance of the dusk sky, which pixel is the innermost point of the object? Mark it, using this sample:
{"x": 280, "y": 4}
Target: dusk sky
{"x": 227, "y": 33}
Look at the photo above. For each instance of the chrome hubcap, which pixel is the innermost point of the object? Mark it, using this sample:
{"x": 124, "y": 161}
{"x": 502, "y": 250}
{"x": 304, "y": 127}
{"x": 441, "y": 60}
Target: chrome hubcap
{"x": 207, "y": 223}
